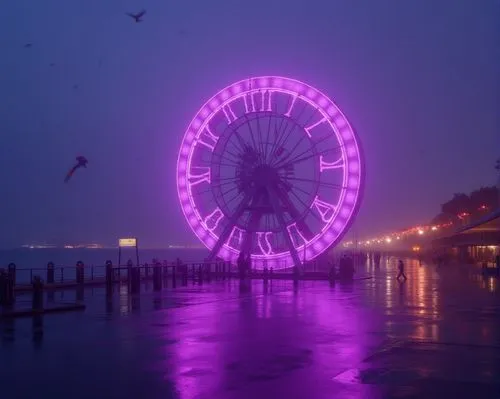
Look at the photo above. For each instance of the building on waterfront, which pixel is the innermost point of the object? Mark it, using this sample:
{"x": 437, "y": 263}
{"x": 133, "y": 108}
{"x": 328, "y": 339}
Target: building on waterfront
{"x": 477, "y": 242}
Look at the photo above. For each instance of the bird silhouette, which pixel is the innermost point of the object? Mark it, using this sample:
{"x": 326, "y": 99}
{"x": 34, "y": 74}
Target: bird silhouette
{"x": 28, "y": 45}
{"x": 137, "y": 16}
{"x": 81, "y": 163}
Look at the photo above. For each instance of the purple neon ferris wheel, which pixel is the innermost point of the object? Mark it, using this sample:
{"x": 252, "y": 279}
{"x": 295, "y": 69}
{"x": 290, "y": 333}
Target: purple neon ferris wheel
{"x": 270, "y": 166}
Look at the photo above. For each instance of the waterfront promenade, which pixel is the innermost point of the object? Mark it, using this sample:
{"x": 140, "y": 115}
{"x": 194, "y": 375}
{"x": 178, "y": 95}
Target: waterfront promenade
{"x": 436, "y": 335}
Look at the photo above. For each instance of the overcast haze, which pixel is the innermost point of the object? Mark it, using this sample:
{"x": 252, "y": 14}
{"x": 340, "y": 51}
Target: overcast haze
{"x": 418, "y": 79}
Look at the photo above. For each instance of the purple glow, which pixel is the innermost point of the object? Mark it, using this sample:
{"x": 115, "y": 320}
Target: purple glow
{"x": 324, "y": 165}
{"x": 263, "y": 82}
{"x": 326, "y": 210}
{"x": 214, "y": 103}
{"x": 350, "y": 198}
{"x": 298, "y": 88}
{"x": 200, "y": 232}
{"x": 345, "y": 211}
{"x": 333, "y": 111}
{"x": 353, "y": 182}
{"x": 224, "y": 252}
{"x": 237, "y": 89}
{"x": 346, "y": 134}
{"x": 318, "y": 246}
{"x": 263, "y": 243}
{"x": 311, "y": 93}
{"x": 204, "y": 112}
{"x": 196, "y": 124}
{"x": 328, "y": 236}
{"x": 340, "y": 122}
{"x": 311, "y": 127}
{"x": 352, "y": 151}
{"x": 337, "y": 217}
{"x": 210, "y": 242}
{"x": 213, "y": 220}
{"x": 278, "y": 82}
{"x": 338, "y": 226}
{"x": 323, "y": 102}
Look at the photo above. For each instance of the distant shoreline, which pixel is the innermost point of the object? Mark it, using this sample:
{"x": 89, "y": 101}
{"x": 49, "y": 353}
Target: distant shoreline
{"x": 37, "y": 248}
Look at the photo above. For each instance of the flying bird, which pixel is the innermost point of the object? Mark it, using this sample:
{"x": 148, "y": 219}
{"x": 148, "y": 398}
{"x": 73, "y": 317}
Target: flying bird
{"x": 81, "y": 163}
{"x": 137, "y": 16}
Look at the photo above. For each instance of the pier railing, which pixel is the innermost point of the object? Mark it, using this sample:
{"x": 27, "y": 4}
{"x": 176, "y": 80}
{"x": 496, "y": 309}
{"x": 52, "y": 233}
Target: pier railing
{"x": 97, "y": 273}
{"x": 88, "y": 274}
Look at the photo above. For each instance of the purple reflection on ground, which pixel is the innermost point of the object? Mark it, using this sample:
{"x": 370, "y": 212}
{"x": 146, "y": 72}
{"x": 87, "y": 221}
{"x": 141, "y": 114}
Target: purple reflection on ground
{"x": 436, "y": 335}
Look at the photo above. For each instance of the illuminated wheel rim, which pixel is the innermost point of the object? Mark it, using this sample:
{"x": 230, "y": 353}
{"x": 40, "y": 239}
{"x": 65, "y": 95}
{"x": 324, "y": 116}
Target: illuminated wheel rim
{"x": 295, "y": 187}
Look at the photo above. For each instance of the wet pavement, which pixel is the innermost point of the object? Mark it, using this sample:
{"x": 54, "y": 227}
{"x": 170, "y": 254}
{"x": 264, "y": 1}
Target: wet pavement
{"x": 437, "y": 334}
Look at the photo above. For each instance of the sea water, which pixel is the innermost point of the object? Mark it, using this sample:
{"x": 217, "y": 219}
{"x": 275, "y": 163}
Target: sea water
{"x": 38, "y": 258}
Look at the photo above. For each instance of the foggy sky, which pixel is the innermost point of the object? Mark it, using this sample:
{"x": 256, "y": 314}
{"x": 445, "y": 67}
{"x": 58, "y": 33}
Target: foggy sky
{"x": 419, "y": 80}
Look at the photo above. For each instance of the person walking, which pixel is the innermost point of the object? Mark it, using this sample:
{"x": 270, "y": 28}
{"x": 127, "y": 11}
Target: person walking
{"x": 401, "y": 271}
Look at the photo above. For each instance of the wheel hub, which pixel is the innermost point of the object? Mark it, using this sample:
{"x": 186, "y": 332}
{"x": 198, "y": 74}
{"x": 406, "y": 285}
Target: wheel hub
{"x": 264, "y": 176}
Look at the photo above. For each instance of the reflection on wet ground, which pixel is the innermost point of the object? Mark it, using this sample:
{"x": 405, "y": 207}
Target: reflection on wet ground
{"x": 437, "y": 334}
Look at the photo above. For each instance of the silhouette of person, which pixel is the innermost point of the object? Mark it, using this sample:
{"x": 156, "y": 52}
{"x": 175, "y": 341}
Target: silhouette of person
{"x": 401, "y": 270}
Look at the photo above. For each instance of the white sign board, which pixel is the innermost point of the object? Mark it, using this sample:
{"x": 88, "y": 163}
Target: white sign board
{"x": 127, "y": 242}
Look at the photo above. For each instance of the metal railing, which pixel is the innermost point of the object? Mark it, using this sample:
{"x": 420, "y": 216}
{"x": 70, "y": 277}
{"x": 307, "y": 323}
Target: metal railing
{"x": 63, "y": 274}
{"x": 97, "y": 273}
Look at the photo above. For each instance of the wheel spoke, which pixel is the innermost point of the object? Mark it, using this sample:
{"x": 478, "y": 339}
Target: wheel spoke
{"x": 293, "y": 160}
{"x": 306, "y": 158}
{"x": 290, "y": 131}
{"x": 277, "y": 136}
{"x": 227, "y": 159}
{"x": 229, "y": 227}
{"x": 240, "y": 141}
{"x": 293, "y": 210}
{"x": 279, "y": 216}
{"x": 260, "y": 151}
{"x": 307, "y": 207}
{"x": 264, "y": 156}
{"x": 302, "y": 136}
{"x": 249, "y": 123}
{"x": 233, "y": 198}
{"x": 332, "y": 185}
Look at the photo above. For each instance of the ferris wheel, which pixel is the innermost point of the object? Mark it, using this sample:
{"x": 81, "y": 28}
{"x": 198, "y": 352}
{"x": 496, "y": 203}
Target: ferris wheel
{"x": 271, "y": 167}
